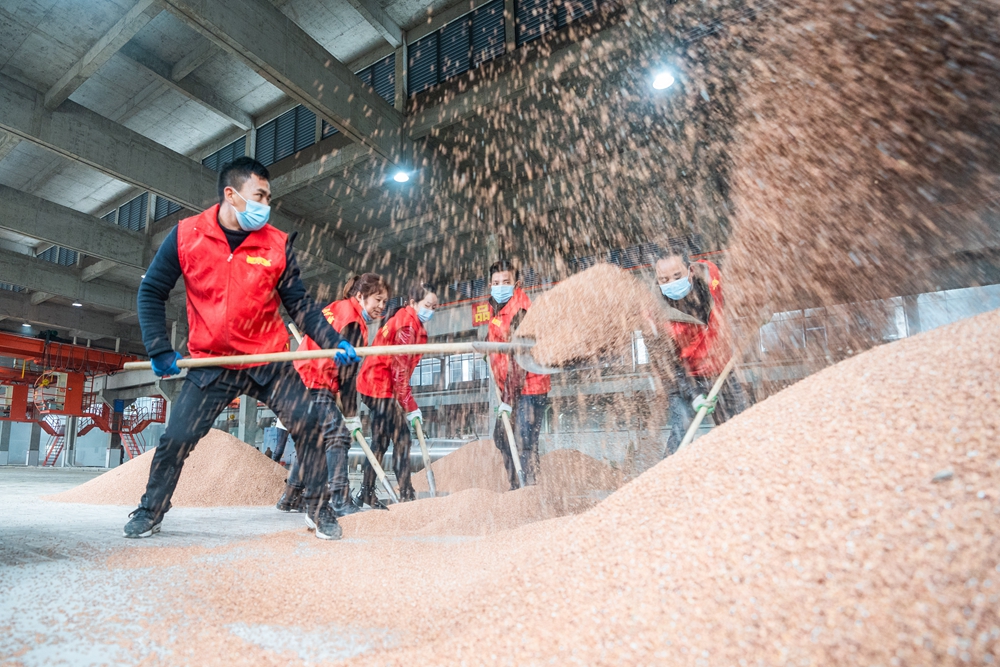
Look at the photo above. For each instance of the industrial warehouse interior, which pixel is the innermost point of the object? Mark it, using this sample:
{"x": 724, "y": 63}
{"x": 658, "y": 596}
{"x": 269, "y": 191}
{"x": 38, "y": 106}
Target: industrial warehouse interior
{"x": 499, "y": 332}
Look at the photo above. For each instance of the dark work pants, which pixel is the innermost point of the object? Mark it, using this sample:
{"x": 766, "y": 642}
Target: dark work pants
{"x": 197, "y": 407}
{"x": 336, "y": 442}
{"x": 730, "y": 402}
{"x": 526, "y": 422}
{"x": 279, "y": 446}
{"x": 388, "y": 424}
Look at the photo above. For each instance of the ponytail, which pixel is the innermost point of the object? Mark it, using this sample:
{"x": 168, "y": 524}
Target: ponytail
{"x": 366, "y": 285}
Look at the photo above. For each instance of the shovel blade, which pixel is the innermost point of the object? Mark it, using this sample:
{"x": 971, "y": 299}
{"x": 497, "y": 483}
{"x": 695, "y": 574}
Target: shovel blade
{"x": 528, "y": 363}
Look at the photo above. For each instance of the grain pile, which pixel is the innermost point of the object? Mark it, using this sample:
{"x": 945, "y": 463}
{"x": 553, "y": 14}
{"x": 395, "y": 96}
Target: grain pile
{"x": 479, "y": 465}
{"x": 593, "y": 313}
{"x": 789, "y": 535}
{"x": 221, "y": 470}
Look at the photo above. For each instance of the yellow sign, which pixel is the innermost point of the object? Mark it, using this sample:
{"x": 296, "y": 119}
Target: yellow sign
{"x": 263, "y": 261}
{"x": 480, "y": 314}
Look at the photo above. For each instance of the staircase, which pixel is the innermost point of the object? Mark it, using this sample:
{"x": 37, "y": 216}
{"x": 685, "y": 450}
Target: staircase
{"x": 56, "y": 428}
{"x": 134, "y": 444}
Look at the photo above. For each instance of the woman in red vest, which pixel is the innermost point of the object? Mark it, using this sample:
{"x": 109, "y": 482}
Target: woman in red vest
{"x": 364, "y": 300}
{"x": 704, "y": 349}
{"x": 524, "y": 395}
{"x": 384, "y": 384}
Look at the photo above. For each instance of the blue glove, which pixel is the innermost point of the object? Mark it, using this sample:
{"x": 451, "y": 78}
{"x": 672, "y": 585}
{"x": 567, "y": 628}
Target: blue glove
{"x": 346, "y": 354}
{"x": 165, "y": 364}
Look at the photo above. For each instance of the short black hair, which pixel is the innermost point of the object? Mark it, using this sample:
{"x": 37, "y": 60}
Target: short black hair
{"x": 504, "y": 265}
{"x": 667, "y": 254}
{"x": 234, "y": 174}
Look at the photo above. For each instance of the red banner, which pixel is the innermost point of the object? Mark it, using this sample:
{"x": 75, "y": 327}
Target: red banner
{"x": 480, "y": 314}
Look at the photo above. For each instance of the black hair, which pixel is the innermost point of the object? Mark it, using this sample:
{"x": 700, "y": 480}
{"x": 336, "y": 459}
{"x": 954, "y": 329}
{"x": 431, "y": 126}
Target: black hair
{"x": 416, "y": 293}
{"x": 674, "y": 252}
{"x": 366, "y": 284}
{"x": 234, "y": 174}
{"x": 504, "y": 265}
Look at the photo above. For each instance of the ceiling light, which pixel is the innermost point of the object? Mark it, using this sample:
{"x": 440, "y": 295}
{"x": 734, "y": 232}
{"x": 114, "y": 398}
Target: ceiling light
{"x": 143, "y": 275}
{"x": 663, "y": 80}
{"x": 77, "y": 304}
{"x": 26, "y": 325}
{"x": 401, "y": 177}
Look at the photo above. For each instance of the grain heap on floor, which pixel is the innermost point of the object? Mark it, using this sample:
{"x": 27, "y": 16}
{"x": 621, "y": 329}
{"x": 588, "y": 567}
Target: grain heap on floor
{"x": 572, "y": 321}
{"x": 221, "y": 470}
{"x": 792, "y": 534}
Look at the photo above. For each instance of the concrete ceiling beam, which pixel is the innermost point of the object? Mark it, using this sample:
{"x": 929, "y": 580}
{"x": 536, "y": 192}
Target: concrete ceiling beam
{"x": 98, "y": 325}
{"x": 39, "y": 298}
{"x": 91, "y": 139}
{"x": 121, "y": 32}
{"x": 279, "y": 50}
{"x": 97, "y": 270}
{"x": 192, "y": 61}
{"x": 46, "y": 221}
{"x": 8, "y": 142}
{"x": 190, "y": 89}
{"x": 64, "y": 281}
{"x": 377, "y": 17}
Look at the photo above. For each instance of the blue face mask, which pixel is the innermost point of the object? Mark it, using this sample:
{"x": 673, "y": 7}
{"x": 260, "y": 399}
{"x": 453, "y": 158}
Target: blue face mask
{"x": 677, "y": 290}
{"x": 364, "y": 315}
{"x": 502, "y": 293}
{"x": 254, "y": 217}
{"x": 424, "y": 314}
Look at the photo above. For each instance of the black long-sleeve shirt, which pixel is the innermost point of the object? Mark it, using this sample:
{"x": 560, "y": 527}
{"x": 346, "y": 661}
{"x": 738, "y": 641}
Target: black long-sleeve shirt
{"x": 162, "y": 275}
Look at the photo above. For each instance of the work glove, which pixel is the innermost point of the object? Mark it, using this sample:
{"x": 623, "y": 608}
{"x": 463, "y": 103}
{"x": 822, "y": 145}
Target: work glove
{"x": 502, "y": 408}
{"x": 345, "y": 354}
{"x": 165, "y": 364}
{"x": 353, "y": 424}
{"x": 413, "y": 417}
{"x": 703, "y": 402}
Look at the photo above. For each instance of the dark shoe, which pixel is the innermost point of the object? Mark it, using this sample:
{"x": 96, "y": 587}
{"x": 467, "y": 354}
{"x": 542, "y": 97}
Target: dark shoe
{"x": 346, "y": 506}
{"x": 291, "y": 499}
{"x": 323, "y": 520}
{"x": 142, "y": 523}
{"x": 406, "y": 495}
{"x": 368, "y": 497}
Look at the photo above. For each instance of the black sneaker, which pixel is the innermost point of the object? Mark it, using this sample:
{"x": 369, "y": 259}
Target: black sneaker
{"x": 142, "y": 523}
{"x": 291, "y": 499}
{"x": 323, "y": 520}
{"x": 346, "y": 506}
{"x": 367, "y": 497}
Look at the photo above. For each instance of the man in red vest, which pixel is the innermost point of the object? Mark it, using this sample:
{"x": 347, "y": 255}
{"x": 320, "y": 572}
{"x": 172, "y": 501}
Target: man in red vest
{"x": 238, "y": 271}
{"x": 695, "y": 288}
{"x": 524, "y": 396}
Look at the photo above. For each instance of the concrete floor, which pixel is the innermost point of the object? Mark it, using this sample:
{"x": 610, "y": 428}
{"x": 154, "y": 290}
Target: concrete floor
{"x": 59, "y": 603}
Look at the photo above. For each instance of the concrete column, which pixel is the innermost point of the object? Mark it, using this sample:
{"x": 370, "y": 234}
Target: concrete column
{"x": 510, "y": 32}
{"x": 4, "y": 442}
{"x": 251, "y": 142}
{"x": 69, "y": 448}
{"x": 402, "y": 75}
{"x": 33, "y": 442}
{"x": 912, "y": 314}
{"x": 247, "y": 431}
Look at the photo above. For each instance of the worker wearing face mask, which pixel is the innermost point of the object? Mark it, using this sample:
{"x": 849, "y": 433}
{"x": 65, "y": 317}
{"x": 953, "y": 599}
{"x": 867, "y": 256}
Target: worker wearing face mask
{"x": 384, "y": 385}
{"x": 238, "y": 272}
{"x": 364, "y": 299}
{"x": 695, "y": 288}
{"x": 524, "y": 396}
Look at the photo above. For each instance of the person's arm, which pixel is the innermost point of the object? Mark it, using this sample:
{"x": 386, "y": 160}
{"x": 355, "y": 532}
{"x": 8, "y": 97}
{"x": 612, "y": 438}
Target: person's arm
{"x": 303, "y": 309}
{"x": 401, "y": 371}
{"x": 154, "y": 290}
{"x": 347, "y": 375}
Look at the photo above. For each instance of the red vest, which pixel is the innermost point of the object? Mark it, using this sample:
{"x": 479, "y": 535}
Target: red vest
{"x": 232, "y": 298}
{"x": 322, "y": 373}
{"x": 499, "y": 332}
{"x": 705, "y": 349}
{"x": 375, "y": 378}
